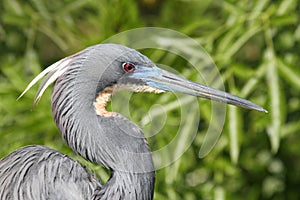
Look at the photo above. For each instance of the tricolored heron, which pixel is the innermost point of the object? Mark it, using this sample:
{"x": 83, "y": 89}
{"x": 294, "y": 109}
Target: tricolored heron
{"x": 84, "y": 82}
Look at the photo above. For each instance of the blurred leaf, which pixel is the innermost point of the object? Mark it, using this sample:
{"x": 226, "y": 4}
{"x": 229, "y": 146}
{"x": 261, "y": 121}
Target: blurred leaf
{"x": 290, "y": 74}
{"x": 274, "y": 128}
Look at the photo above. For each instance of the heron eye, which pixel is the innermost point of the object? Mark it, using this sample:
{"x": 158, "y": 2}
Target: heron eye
{"x": 128, "y": 67}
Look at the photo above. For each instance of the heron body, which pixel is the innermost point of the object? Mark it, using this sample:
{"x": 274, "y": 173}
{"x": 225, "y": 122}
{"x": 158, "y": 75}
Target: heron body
{"x": 84, "y": 83}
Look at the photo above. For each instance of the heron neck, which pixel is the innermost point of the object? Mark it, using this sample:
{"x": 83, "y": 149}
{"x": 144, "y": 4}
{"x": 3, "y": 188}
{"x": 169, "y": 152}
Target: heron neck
{"x": 114, "y": 141}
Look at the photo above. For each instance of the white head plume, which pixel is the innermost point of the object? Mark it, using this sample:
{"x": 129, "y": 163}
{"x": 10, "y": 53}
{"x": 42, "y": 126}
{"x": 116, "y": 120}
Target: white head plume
{"x": 52, "y": 73}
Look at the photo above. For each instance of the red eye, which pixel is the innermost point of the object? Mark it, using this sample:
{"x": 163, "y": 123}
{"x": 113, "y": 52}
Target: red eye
{"x": 128, "y": 67}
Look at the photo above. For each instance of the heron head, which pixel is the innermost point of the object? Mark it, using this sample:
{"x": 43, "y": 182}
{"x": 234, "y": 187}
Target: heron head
{"x": 134, "y": 71}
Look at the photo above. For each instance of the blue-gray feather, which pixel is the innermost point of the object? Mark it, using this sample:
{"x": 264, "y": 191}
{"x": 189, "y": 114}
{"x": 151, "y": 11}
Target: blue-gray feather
{"x": 37, "y": 172}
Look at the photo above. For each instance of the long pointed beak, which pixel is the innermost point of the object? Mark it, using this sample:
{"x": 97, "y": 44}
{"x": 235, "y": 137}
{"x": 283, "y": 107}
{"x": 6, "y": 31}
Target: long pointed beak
{"x": 167, "y": 81}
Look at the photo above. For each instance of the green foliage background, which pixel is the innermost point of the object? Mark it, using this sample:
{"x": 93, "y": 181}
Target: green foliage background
{"x": 255, "y": 45}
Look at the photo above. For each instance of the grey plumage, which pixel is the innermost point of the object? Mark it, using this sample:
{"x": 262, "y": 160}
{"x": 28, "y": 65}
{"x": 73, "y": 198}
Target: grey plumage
{"x": 37, "y": 172}
{"x": 83, "y": 84}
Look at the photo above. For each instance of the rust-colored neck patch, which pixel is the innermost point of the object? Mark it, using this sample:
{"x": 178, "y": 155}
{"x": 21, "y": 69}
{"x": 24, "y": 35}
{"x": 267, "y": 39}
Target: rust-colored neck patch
{"x": 105, "y": 95}
{"x": 101, "y": 102}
